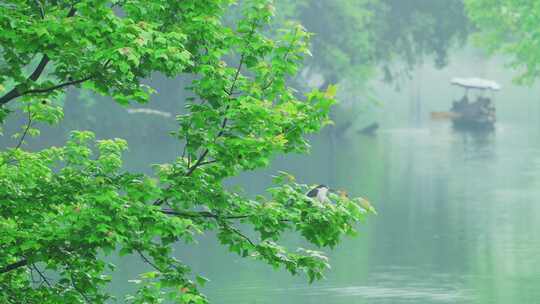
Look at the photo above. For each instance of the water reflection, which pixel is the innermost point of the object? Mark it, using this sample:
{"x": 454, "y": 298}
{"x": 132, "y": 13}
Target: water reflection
{"x": 346, "y": 294}
{"x": 457, "y": 221}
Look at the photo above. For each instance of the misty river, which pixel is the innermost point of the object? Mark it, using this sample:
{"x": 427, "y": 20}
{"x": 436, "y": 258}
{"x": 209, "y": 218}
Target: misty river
{"x": 457, "y": 211}
{"x": 457, "y": 215}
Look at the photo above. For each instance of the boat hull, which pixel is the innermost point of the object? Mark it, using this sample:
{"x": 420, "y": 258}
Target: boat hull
{"x": 462, "y": 123}
{"x": 478, "y": 115}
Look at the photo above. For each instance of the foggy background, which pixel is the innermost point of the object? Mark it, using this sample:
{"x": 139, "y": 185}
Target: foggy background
{"x": 457, "y": 210}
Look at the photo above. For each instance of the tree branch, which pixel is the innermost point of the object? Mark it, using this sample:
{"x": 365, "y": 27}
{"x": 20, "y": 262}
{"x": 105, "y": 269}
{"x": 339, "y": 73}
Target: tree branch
{"x": 207, "y": 162}
{"x": 78, "y": 290}
{"x": 28, "y": 126}
{"x": 14, "y": 266}
{"x": 238, "y": 232}
{"x": 39, "y": 69}
{"x": 203, "y": 214}
{"x": 14, "y": 93}
{"x": 58, "y": 86}
{"x": 41, "y": 275}
{"x": 224, "y": 122}
{"x": 201, "y": 158}
{"x": 147, "y": 261}
{"x": 189, "y": 214}
{"x": 197, "y": 163}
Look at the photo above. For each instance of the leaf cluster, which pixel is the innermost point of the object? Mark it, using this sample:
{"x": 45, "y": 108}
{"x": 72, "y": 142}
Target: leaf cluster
{"x": 509, "y": 27}
{"x": 65, "y": 209}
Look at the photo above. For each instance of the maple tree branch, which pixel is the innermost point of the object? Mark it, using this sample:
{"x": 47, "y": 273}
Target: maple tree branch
{"x": 203, "y": 214}
{"x": 58, "y": 86}
{"x": 14, "y": 266}
{"x": 28, "y": 126}
{"x": 14, "y": 93}
{"x": 238, "y": 232}
{"x": 224, "y": 122}
{"x": 147, "y": 261}
{"x": 43, "y": 278}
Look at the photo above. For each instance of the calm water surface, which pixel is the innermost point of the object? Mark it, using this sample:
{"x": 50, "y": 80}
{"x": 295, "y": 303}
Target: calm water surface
{"x": 459, "y": 213}
{"x": 458, "y": 222}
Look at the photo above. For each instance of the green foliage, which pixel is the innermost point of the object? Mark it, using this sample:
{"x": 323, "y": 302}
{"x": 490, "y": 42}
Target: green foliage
{"x": 343, "y": 44}
{"x": 64, "y": 210}
{"x": 352, "y": 38}
{"x": 415, "y": 30}
{"x": 510, "y": 27}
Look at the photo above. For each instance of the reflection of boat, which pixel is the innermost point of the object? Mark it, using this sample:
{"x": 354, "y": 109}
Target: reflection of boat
{"x": 479, "y": 114}
{"x": 370, "y": 129}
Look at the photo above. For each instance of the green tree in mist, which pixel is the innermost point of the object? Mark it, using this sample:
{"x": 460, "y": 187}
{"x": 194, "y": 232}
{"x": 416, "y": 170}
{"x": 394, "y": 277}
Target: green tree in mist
{"x": 343, "y": 39}
{"x": 355, "y": 42}
{"x": 64, "y": 210}
{"x": 510, "y": 27}
{"x": 353, "y": 38}
{"x": 409, "y": 32}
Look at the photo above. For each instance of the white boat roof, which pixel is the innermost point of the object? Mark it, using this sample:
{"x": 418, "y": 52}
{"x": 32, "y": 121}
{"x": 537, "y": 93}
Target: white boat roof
{"x": 476, "y": 83}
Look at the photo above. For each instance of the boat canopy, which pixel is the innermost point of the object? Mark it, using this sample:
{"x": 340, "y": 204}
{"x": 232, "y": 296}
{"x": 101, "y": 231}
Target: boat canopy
{"x": 476, "y": 83}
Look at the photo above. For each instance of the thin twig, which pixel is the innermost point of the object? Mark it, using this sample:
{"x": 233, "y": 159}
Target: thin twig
{"x": 225, "y": 119}
{"x": 189, "y": 214}
{"x": 41, "y": 275}
{"x": 201, "y": 158}
{"x": 58, "y": 86}
{"x": 197, "y": 163}
{"x": 148, "y": 260}
{"x": 236, "y": 75}
{"x": 238, "y": 232}
{"x": 28, "y": 126}
{"x": 34, "y": 281}
{"x": 204, "y": 214}
{"x": 208, "y": 162}
{"x": 72, "y": 281}
{"x": 266, "y": 86}
{"x": 185, "y": 146}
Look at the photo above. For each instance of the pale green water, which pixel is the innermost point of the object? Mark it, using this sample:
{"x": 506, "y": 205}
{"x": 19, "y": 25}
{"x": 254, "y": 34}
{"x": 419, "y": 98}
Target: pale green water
{"x": 458, "y": 213}
{"x": 458, "y": 218}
